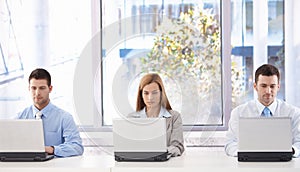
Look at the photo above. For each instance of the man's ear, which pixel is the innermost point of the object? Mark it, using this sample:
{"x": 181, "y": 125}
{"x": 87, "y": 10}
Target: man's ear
{"x": 50, "y": 88}
{"x": 255, "y": 86}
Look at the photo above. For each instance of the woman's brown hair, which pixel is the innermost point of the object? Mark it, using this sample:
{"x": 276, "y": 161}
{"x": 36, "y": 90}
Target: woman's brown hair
{"x": 146, "y": 80}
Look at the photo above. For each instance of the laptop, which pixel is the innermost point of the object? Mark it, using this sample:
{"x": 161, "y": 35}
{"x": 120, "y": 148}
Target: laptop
{"x": 265, "y": 139}
{"x": 140, "y": 139}
{"x": 22, "y": 140}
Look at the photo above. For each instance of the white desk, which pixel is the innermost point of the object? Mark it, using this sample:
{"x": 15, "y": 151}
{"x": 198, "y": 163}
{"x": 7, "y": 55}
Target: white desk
{"x": 101, "y": 163}
{"x": 194, "y": 159}
{"x": 197, "y": 159}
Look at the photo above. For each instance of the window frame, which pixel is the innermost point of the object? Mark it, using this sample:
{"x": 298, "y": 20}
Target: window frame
{"x": 225, "y": 85}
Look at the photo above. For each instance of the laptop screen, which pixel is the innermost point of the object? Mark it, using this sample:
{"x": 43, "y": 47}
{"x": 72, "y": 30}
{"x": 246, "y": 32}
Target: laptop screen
{"x": 21, "y": 135}
{"x": 265, "y": 134}
{"x": 139, "y": 135}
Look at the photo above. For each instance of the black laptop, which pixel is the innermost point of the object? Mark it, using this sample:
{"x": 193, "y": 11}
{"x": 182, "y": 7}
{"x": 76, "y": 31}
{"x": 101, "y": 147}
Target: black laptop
{"x": 264, "y": 139}
{"x": 22, "y": 140}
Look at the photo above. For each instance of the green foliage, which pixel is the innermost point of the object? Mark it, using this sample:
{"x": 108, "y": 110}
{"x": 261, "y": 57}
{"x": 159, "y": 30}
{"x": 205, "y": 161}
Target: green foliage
{"x": 237, "y": 83}
{"x": 189, "y": 45}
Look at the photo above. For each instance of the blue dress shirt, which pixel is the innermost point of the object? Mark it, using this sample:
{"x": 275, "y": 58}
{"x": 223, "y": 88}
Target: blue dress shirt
{"x": 60, "y": 130}
{"x": 254, "y": 108}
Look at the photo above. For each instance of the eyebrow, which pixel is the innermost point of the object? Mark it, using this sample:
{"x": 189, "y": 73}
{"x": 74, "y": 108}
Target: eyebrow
{"x": 267, "y": 84}
{"x": 151, "y": 91}
{"x": 42, "y": 86}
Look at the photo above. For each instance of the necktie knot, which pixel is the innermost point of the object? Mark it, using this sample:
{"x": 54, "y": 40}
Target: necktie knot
{"x": 38, "y": 115}
{"x": 266, "y": 112}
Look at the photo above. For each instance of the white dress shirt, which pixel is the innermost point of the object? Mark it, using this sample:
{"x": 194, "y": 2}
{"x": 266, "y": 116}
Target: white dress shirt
{"x": 254, "y": 108}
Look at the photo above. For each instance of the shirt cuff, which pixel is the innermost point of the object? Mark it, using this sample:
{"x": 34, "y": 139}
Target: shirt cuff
{"x": 53, "y": 150}
{"x": 296, "y": 154}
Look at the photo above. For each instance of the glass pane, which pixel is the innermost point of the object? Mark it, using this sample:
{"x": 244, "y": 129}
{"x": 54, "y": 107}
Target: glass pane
{"x": 276, "y": 40}
{"x": 180, "y": 40}
{"x": 10, "y": 59}
{"x": 243, "y": 46}
{"x": 69, "y": 26}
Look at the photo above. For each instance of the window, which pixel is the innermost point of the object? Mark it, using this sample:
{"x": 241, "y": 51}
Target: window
{"x": 130, "y": 32}
{"x": 180, "y": 40}
{"x": 53, "y": 37}
{"x": 257, "y": 37}
{"x": 10, "y": 59}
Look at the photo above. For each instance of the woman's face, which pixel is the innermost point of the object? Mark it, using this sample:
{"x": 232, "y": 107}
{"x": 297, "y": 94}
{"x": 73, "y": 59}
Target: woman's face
{"x": 152, "y": 95}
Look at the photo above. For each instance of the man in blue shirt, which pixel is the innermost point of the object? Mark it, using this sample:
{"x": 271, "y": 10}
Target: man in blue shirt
{"x": 61, "y": 133}
{"x": 266, "y": 85}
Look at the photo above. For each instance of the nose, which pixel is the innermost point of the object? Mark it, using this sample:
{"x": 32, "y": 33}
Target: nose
{"x": 268, "y": 89}
{"x": 37, "y": 91}
{"x": 149, "y": 96}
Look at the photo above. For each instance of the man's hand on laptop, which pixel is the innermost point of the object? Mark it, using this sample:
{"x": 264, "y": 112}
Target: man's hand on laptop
{"x": 49, "y": 150}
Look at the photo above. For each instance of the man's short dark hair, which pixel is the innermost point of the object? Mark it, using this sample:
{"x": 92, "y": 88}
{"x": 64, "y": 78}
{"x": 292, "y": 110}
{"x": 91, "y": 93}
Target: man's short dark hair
{"x": 40, "y": 73}
{"x": 266, "y": 70}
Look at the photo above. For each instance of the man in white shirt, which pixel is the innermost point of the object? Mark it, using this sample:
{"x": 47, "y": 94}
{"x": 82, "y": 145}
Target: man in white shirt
{"x": 267, "y": 85}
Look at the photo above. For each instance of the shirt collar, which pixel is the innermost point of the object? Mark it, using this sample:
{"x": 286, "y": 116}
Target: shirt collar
{"x": 162, "y": 114}
{"x": 272, "y": 107}
{"x": 45, "y": 110}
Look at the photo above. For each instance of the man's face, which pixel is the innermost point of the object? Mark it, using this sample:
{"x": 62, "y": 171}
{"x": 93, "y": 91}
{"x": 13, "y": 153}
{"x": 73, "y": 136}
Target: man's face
{"x": 39, "y": 90}
{"x": 267, "y": 88}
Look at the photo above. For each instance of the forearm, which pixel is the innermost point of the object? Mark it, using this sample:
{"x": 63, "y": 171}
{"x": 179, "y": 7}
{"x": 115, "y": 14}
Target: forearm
{"x": 68, "y": 149}
{"x": 176, "y": 142}
{"x": 176, "y": 149}
{"x": 231, "y": 144}
{"x": 296, "y": 134}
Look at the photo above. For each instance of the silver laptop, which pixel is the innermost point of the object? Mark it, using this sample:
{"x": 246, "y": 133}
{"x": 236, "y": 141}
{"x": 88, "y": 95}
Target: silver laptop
{"x": 140, "y": 139}
{"x": 265, "y": 139}
{"x": 22, "y": 140}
